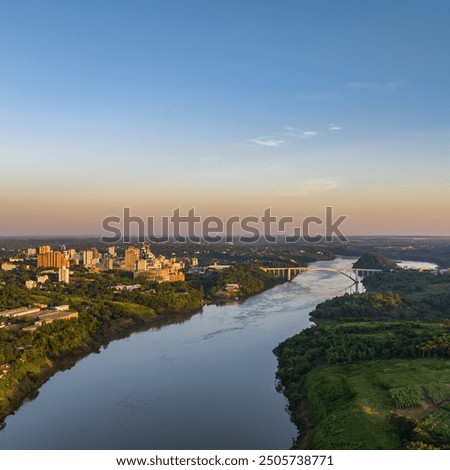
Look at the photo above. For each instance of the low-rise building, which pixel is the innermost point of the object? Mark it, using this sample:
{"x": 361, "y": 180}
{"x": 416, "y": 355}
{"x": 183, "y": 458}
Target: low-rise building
{"x": 121, "y": 287}
{"x": 8, "y": 266}
{"x": 231, "y": 287}
{"x": 19, "y": 312}
{"x": 62, "y": 308}
{"x": 42, "y": 279}
{"x": 161, "y": 275}
{"x": 49, "y": 316}
{"x": 30, "y": 284}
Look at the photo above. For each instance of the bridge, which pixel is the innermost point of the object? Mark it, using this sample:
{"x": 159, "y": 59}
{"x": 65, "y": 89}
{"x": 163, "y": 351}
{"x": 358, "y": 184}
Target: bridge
{"x": 290, "y": 272}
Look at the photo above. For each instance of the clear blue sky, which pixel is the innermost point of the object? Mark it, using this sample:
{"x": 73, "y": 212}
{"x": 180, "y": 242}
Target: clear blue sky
{"x": 236, "y": 105}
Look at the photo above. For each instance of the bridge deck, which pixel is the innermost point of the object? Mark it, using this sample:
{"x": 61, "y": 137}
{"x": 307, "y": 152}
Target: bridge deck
{"x": 290, "y": 272}
{"x": 319, "y": 268}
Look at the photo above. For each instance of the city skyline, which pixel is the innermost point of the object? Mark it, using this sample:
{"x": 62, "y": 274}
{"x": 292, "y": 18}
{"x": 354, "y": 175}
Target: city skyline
{"x": 228, "y": 107}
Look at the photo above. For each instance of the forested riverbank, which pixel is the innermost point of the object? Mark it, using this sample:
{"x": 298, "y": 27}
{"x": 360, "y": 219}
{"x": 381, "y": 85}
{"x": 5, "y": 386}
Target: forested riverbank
{"x": 375, "y": 370}
{"x": 29, "y": 359}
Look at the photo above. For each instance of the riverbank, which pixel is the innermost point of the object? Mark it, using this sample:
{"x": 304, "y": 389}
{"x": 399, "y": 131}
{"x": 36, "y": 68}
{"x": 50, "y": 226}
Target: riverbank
{"x": 117, "y": 320}
{"x": 374, "y": 371}
{"x": 28, "y": 388}
{"x": 172, "y": 386}
{"x": 30, "y": 359}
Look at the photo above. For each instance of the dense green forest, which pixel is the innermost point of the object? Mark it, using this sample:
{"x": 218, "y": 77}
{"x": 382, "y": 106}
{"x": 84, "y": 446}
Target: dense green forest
{"x": 251, "y": 279}
{"x": 346, "y": 376}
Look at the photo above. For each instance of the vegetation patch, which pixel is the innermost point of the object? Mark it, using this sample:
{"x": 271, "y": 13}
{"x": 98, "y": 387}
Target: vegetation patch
{"x": 437, "y": 392}
{"x": 373, "y": 370}
{"x": 407, "y": 397}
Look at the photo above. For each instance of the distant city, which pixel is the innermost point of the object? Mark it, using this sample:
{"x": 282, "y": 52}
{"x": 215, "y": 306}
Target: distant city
{"x": 139, "y": 260}
{"x": 50, "y": 266}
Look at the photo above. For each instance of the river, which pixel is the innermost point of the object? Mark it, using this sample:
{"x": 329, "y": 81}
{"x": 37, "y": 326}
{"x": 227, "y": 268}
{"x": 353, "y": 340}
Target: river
{"x": 207, "y": 383}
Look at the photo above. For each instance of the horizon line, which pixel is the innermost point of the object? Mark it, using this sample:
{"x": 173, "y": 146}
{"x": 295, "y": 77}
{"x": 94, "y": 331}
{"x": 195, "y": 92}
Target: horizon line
{"x": 53, "y": 236}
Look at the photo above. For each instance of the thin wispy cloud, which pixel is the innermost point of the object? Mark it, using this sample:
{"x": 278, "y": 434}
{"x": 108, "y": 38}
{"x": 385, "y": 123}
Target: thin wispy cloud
{"x": 267, "y": 142}
{"x": 312, "y": 186}
{"x": 289, "y": 135}
{"x": 309, "y": 133}
{"x": 298, "y": 133}
{"x": 392, "y": 85}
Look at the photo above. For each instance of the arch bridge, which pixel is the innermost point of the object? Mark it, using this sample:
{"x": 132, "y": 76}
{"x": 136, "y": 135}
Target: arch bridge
{"x": 290, "y": 272}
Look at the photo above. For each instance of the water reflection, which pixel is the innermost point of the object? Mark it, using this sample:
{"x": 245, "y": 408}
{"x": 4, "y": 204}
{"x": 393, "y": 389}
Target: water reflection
{"x": 204, "y": 383}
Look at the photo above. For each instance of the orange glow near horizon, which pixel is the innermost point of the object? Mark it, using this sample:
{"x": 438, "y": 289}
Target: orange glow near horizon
{"x": 373, "y": 212}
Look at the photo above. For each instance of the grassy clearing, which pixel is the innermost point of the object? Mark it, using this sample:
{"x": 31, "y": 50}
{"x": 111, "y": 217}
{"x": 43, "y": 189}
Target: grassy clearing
{"x": 135, "y": 309}
{"x": 352, "y": 403}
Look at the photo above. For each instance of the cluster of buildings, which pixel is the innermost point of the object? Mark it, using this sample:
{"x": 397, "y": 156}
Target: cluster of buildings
{"x": 143, "y": 263}
{"x": 40, "y": 316}
{"x": 140, "y": 260}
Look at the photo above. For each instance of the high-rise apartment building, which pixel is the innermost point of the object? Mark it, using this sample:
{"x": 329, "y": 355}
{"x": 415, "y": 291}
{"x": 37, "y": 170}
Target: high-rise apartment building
{"x": 88, "y": 258}
{"x": 112, "y": 251}
{"x": 52, "y": 259}
{"x": 64, "y": 275}
{"x": 132, "y": 256}
{"x": 31, "y": 252}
